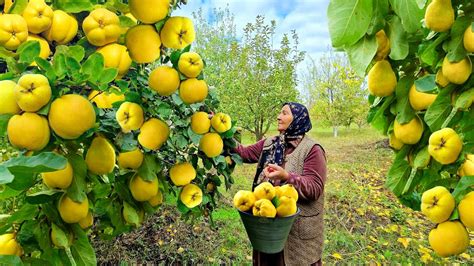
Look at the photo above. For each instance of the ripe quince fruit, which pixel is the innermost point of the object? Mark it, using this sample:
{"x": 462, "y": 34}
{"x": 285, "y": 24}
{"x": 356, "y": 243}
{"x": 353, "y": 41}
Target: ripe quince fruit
{"x": 143, "y": 43}
{"x": 440, "y": 79}
{"x": 449, "y": 238}
{"x": 445, "y": 145}
{"x": 72, "y": 211}
{"x": 129, "y": 116}
{"x": 149, "y": 11}
{"x": 457, "y": 72}
{"x": 211, "y": 144}
{"x": 193, "y": 91}
{"x": 28, "y": 131}
{"x": 131, "y": 159}
{"x": 437, "y": 204}
{"x": 190, "y": 64}
{"x": 191, "y": 196}
{"x": 409, "y": 133}
{"x": 221, "y": 122}
{"x": 244, "y": 200}
{"x": 101, "y": 27}
{"x": 105, "y": 100}
{"x": 177, "y": 33}
{"x": 468, "y": 39}
{"x": 87, "y": 222}
{"x": 264, "y": 190}
{"x": 14, "y": 31}
{"x": 200, "y": 123}
{"x": 156, "y": 200}
{"x": 9, "y": 245}
{"x": 66, "y": 121}
{"x": 439, "y": 15}
{"x": 264, "y": 208}
{"x": 420, "y": 100}
{"x": 7, "y": 98}
{"x": 287, "y": 206}
{"x": 466, "y": 210}
{"x": 143, "y": 190}
{"x": 164, "y": 80}
{"x": 182, "y": 174}
{"x": 32, "y": 92}
{"x": 116, "y": 56}
{"x": 38, "y": 16}
{"x": 394, "y": 142}
{"x": 61, "y": 179}
{"x": 153, "y": 134}
{"x": 383, "y": 45}
{"x": 287, "y": 190}
{"x": 467, "y": 168}
{"x": 63, "y": 28}
{"x": 381, "y": 79}
{"x": 100, "y": 157}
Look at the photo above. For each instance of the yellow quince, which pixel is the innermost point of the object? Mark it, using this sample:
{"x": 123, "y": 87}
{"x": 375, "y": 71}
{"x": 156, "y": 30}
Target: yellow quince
{"x": 437, "y": 204}
{"x": 143, "y": 43}
{"x": 164, "y": 80}
{"x": 129, "y": 116}
{"x": 445, "y": 145}
{"x": 28, "y": 131}
{"x": 101, "y": 27}
{"x": 38, "y": 16}
{"x": 32, "y": 92}
{"x": 100, "y": 157}
{"x": 211, "y": 144}
{"x": 63, "y": 28}
{"x": 153, "y": 134}
{"x": 182, "y": 174}
{"x": 190, "y": 64}
{"x": 178, "y": 32}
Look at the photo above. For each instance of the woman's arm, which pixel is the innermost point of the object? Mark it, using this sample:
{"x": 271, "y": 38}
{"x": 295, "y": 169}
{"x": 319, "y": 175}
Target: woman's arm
{"x": 251, "y": 153}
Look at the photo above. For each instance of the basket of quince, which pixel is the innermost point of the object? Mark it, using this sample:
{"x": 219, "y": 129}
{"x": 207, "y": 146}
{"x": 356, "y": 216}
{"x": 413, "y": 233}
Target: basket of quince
{"x": 268, "y": 214}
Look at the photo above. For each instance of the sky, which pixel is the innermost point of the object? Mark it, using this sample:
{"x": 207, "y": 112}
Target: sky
{"x": 307, "y": 17}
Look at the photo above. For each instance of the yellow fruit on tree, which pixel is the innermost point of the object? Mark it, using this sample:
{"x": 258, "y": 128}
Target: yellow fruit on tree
{"x": 9, "y": 245}
{"x": 468, "y": 39}
{"x": 287, "y": 206}
{"x": 38, "y": 16}
{"x": 61, "y": 179}
{"x": 100, "y": 157}
{"x": 193, "y": 91}
{"x": 182, "y": 174}
{"x": 63, "y": 28}
{"x": 7, "y": 98}
{"x": 131, "y": 159}
{"x": 244, "y": 200}
{"x": 143, "y": 43}
{"x": 149, "y": 11}
{"x": 211, "y": 144}
{"x": 44, "y": 46}
{"x": 71, "y": 115}
{"x": 287, "y": 190}
{"x": 420, "y": 100}
{"x": 394, "y": 142}
{"x": 177, "y": 33}
{"x": 153, "y": 134}
{"x": 445, "y": 145}
{"x": 72, "y": 211}
{"x": 143, "y": 190}
{"x": 190, "y": 64}
{"x": 439, "y": 15}
{"x": 200, "y": 123}
{"x": 264, "y": 208}
{"x": 129, "y": 116}
{"x": 87, "y": 222}
{"x": 191, "y": 196}
{"x": 409, "y": 133}
{"x": 28, "y": 131}
{"x": 7, "y": 4}
{"x": 116, "y": 56}
{"x": 466, "y": 210}
{"x": 457, "y": 72}
{"x": 467, "y": 168}
{"x": 381, "y": 79}
{"x": 101, "y": 27}
{"x": 449, "y": 238}
{"x": 32, "y": 92}
{"x": 264, "y": 190}
{"x": 164, "y": 80}
{"x": 437, "y": 204}
{"x": 441, "y": 80}
{"x": 104, "y": 99}
{"x": 156, "y": 200}
{"x": 13, "y": 31}
{"x": 221, "y": 122}
{"x": 383, "y": 45}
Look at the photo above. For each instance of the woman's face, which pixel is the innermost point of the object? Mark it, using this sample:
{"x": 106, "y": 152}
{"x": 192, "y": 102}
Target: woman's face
{"x": 284, "y": 118}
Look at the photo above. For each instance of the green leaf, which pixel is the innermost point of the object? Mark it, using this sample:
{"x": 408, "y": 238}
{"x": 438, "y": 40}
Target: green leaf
{"x": 93, "y": 66}
{"x": 8, "y": 192}
{"x": 440, "y": 109}
{"x": 175, "y": 55}
{"x": 28, "y": 51}
{"x": 422, "y": 158}
{"x": 18, "y": 7}
{"x": 10, "y": 260}
{"x": 7, "y": 75}
{"x": 26, "y": 212}
{"x": 43, "y": 196}
{"x": 5, "y": 176}
{"x": 398, "y": 39}
{"x": 376, "y": 116}
{"x": 4, "y": 53}
{"x": 195, "y": 138}
{"x": 23, "y": 180}
{"x": 426, "y": 84}
{"x": 59, "y": 65}
{"x": 398, "y": 173}
{"x": 455, "y": 46}
{"x": 130, "y": 214}
{"x": 69, "y": 6}
{"x": 4, "y": 118}
{"x": 464, "y": 101}
{"x": 73, "y": 66}
{"x": 149, "y": 168}
{"x": 77, "y": 190}
{"x": 82, "y": 249}
{"x": 410, "y": 14}
{"x": 348, "y": 20}
{"x": 404, "y": 111}
{"x": 463, "y": 187}
{"x": 46, "y": 66}
{"x": 43, "y": 162}
{"x": 159, "y": 25}
{"x": 61, "y": 238}
{"x": 108, "y": 75}
{"x": 126, "y": 22}
{"x": 430, "y": 55}
{"x": 361, "y": 54}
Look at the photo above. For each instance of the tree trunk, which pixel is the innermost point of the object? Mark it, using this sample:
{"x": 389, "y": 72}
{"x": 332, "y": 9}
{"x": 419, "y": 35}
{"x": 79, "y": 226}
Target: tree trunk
{"x": 334, "y": 132}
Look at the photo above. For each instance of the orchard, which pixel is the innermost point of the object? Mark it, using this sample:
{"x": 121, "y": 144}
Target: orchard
{"x": 109, "y": 111}
{"x": 417, "y": 58}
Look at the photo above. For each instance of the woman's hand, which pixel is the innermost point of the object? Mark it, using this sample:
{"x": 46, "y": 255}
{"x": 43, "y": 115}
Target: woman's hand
{"x": 276, "y": 172}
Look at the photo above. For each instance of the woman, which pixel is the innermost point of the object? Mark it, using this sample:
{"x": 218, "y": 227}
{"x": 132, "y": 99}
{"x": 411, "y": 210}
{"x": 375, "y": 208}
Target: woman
{"x": 293, "y": 158}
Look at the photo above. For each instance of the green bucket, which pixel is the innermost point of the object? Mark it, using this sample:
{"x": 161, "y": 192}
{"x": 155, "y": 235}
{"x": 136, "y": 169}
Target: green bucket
{"x": 267, "y": 235}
